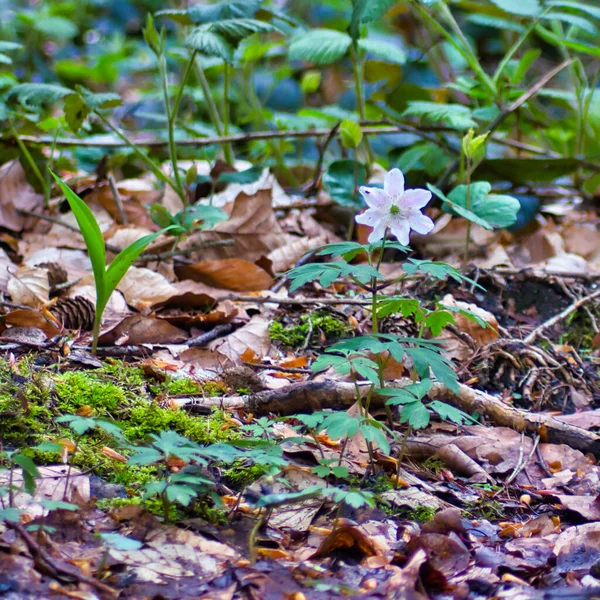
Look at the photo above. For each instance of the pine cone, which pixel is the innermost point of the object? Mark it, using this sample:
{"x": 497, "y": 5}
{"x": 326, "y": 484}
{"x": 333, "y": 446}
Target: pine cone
{"x": 56, "y": 273}
{"x": 75, "y": 313}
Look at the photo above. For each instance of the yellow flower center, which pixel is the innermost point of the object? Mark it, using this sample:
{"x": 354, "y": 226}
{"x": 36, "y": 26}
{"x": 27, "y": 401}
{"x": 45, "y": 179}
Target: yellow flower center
{"x": 395, "y": 210}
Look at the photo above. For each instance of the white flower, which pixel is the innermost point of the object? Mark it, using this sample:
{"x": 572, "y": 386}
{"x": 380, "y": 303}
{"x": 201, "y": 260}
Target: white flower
{"x": 395, "y": 208}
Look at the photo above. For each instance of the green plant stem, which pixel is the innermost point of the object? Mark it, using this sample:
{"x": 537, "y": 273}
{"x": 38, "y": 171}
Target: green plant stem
{"x": 357, "y": 68}
{"x": 152, "y": 165}
{"x": 513, "y": 50}
{"x": 30, "y": 161}
{"x": 96, "y": 329}
{"x": 226, "y": 115}
{"x": 468, "y": 207}
{"x": 255, "y": 106}
{"x": 252, "y": 539}
{"x": 172, "y": 116}
{"x": 464, "y": 48}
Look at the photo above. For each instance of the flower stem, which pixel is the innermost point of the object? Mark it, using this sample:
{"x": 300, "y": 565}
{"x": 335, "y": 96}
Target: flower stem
{"x": 357, "y": 68}
{"x": 30, "y": 161}
{"x": 468, "y": 207}
{"x": 226, "y": 82}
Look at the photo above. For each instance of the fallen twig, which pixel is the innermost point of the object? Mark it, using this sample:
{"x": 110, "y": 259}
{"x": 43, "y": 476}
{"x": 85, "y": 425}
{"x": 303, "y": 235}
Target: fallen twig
{"x": 560, "y": 316}
{"x": 328, "y": 394}
{"x": 61, "y": 569}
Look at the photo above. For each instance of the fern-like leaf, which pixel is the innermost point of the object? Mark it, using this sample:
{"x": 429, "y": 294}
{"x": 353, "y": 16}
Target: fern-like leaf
{"x": 453, "y": 115}
{"x": 35, "y": 96}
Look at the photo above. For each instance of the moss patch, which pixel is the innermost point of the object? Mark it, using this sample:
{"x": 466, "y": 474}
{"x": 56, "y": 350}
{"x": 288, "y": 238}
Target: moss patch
{"x": 295, "y": 336}
{"x": 31, "y": 398}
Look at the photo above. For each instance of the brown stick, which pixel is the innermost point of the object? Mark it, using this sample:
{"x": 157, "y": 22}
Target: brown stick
{"x": 560, "y": 317}
{"x": 39, "y": 554}
{"x": 328, "y": 394}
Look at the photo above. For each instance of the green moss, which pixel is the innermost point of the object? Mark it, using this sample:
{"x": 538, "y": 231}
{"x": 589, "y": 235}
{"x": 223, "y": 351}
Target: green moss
{"x": 295, "y": 336}
{"x": 420, "y": 514}
{"x": 31, "y": 399}
{"x": 239, "y": 477}
{"x": 434, "y": 465}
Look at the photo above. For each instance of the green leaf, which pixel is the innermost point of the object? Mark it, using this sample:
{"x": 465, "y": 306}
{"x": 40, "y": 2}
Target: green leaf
{"x": 120, "y": 265}
{"x": 145, "y": 456}
{"x": 375, "y": 435}
{"x": 426, "y": 359}
{"x": 524, "y": 64}
{"x": 200, "y": 13}
{"x": 56, "y": 27}
{"x": 449, "y": 413}
{"x": 525, "y": 170}
{"x": 455, "y": 116}
{"x": 76, "y": 111}
{"x": 35, "y": 96}
{"x": 366, "y": 11}
{"x": 384, "y": 50}
{"x": 340, "y": 425}
{"x": 350, "y": 134}
{"x": 242, "y": 177}
{"x": 438, "y": 270}
{"x": 437, "y": 320}
{"x": 415, "y": 414}
{"x": 587, "y": 8}
{"x": 210, "y": 44}
{"x": 59, "y": 505}
{"x": 182, "y": 494}
{"x": 100, "y": 100}
{"x": 151, "y": 36}
{"x": 235, "y": 30}
{"x": 320, "y": 46}
{"x": 120, "y": 542}
{"x": 29, "y": 470}
{"x": 339, "y": 181}
{"x": 498, "y": 211}
{"x": 160, "y": 216}
{"x": 390, "y": 306}
{"x": 525, "y": 8}
{"x": 92, "y": 235}
{"x": 10, "y": 514}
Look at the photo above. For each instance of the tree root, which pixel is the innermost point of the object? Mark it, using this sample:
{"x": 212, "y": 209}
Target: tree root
{"x": 313, "y": 396}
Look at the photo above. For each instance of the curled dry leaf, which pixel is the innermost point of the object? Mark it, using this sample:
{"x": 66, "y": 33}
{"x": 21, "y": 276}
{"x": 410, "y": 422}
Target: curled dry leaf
{"x": 252, "y": 226}
{"x": 254, "y": 335}
{"x": 31, "y": 318}
{"x": 457, "y": 348}
{"x": 29, "y": 286}
{"x": 75, "y": 262}
{"x": 7, "y": 268}
{"x": 138, "y": 329}
{"x": 230, "y": 273}
{"x": 15, "y": 190}
{"x": 287, "y": 256}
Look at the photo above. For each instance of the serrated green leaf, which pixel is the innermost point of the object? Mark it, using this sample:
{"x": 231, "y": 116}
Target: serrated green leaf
{"x": 449, "y": 413}
{"x": 455, "y": 116}
{"x": 415, "y": 414}
{"x": 437, "y": 320}
{"x": 34, "y": 96}
{"x": 200, "y": 13}
{"x": 210, "y": 43}
{"x": 525, "y": 8}
{"x": 120, "y": 542}
{"x": 320, "y": 46}
{"x": 383, "y": 50}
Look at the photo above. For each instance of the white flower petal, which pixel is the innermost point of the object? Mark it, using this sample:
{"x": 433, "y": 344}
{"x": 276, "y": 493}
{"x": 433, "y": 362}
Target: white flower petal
{"x": 415, "y": 199}
{"x": 400, "y": 228}
{"x": 371, "y": 217}
{"x": 375, "y": 197}
{"x": 393, "y": 183}
{"x": 378, "y": 232}
{"x": 419, "y": 222}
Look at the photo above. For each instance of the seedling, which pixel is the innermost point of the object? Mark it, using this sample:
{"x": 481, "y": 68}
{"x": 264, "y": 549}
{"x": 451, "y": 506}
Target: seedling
{"x": 105, "y": 279}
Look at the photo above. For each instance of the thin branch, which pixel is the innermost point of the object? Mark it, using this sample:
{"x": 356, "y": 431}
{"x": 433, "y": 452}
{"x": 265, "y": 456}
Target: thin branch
{"x": 560, "y": 317}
